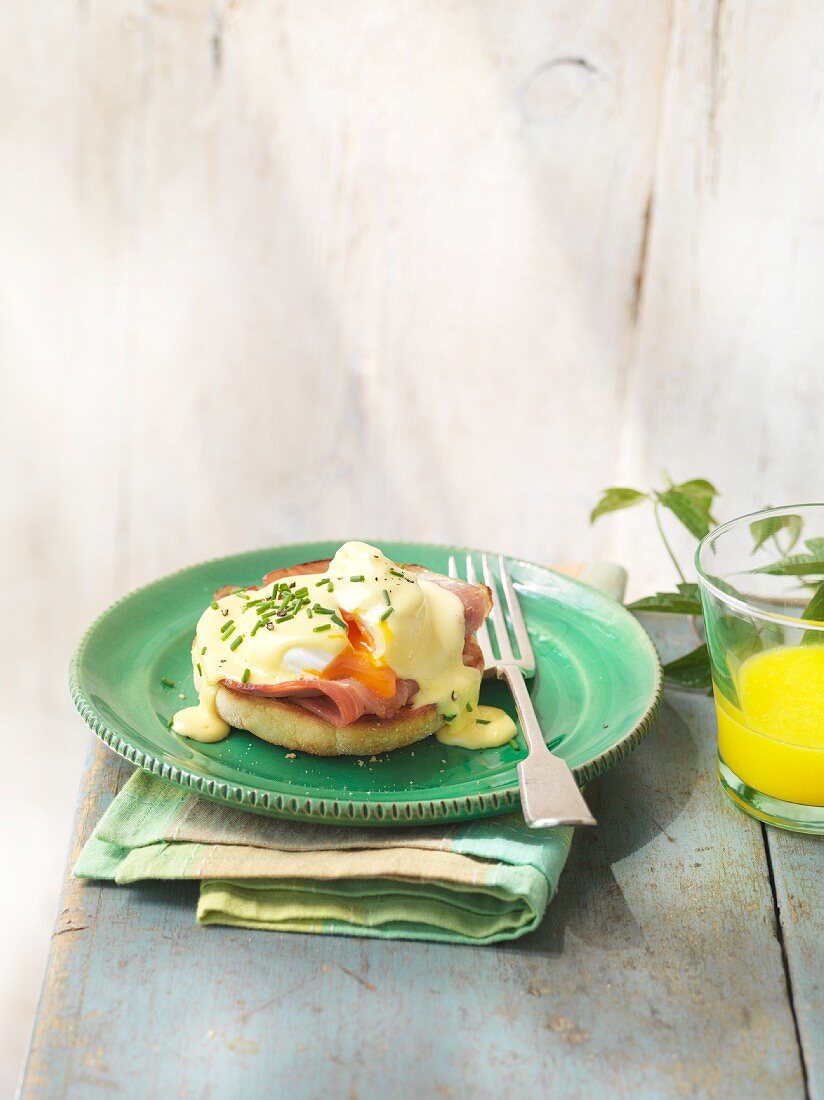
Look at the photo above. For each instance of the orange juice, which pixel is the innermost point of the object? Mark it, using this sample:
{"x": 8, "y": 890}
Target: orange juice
{"x": 775, "y": 741}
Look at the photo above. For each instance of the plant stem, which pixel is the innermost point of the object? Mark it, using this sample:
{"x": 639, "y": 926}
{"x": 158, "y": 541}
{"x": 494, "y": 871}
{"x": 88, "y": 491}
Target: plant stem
{"x": 665, "y": 541}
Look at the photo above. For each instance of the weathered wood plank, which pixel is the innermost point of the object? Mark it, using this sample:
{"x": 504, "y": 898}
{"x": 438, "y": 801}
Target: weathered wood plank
{"x": 798, "y": 873}
{"x": 731, "y": 333}
{"x": 639, "y": 983}
{"x": 67, "y": 344}
{"x": 383, "y": 240}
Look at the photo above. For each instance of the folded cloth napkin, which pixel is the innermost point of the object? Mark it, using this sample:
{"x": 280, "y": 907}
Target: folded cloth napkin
{"x": 475, "y": 882}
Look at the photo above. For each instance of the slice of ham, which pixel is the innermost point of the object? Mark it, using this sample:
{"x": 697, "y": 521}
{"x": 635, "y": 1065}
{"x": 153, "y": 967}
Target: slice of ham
{"x": 476, "y": 598}
{"x": 472, "y": 656}
{"x": 340, "y": 702}
{"x": 344, "y": 701}
{"x": 297, "y": 570}
{"x": 275, "y": 575}
{"x": 228, "y": 589}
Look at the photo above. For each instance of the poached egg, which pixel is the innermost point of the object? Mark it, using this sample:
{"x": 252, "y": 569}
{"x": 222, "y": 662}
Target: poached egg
{"x": 363, "y": 618}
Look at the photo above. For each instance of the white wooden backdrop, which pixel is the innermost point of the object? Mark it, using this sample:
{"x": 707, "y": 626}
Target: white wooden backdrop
{"x": 382, "y": 267}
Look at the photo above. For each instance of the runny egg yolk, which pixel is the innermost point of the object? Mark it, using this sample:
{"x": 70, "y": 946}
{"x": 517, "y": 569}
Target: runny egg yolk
{"x": 358, "y": 662}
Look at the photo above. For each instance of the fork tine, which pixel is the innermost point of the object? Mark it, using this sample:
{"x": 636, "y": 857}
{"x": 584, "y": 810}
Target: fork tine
{"x": 516, "y": 616}
{"x": 471, "y": 575}
{"x": 498, "y": 620}
{"x": 482, "y": 633}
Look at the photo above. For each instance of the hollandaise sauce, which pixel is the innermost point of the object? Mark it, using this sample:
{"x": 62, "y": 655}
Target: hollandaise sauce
{"x": 486, "y": 728}
{"x": 364, "y": 618}
{"x": 774, "y": 740}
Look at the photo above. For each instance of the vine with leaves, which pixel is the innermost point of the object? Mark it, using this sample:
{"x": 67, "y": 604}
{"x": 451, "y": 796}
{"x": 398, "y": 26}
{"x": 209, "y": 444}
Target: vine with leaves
{"x": 691, "y": 503}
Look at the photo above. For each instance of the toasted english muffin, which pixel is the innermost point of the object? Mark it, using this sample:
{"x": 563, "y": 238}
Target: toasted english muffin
{"x": 284, "y": 723}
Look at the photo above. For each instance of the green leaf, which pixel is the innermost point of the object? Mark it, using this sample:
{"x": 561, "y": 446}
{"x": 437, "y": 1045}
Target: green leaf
{"x": 691, "y": 502}
{"x": 685, "y": 601}
{"x": 767, "y": 528}
{"x": 815, "y": 546}
{"x": 690, "y": 671}
{"x": 703, "y": 492}
{"x": 614, "y": 499}
{"x": 796, "y": 565}
{"x": 736, "y": 636}
{"x": 814, "y": 613}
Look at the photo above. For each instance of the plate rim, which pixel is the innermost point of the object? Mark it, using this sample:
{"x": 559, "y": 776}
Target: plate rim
{"x": 388, "y": 811}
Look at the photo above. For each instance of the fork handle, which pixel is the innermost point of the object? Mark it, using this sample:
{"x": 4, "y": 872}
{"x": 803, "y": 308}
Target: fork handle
{"x": 549, "y": 793}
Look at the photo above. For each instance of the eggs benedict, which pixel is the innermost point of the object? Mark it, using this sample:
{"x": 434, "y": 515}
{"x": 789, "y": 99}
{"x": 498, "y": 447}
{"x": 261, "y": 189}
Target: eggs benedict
{"x": 353, "y": 655}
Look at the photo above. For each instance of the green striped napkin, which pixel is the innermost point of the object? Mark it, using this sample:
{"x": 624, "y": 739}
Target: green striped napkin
{"x": 475, "y": 882}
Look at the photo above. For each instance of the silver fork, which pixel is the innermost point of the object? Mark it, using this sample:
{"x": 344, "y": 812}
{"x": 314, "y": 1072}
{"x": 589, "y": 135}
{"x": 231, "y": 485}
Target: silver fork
{"x": 549, "y": 793}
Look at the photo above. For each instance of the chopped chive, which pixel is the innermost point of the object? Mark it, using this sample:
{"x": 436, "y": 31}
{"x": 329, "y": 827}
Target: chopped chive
{"x": 286, "y": 618}
{"x": 245, "y": 677}
{"x": 167, "y": 682}
{"x": 513, "y": 744}
{"x": 482, "y": 721}
{"x": 386, "y": 614}
{"x": 449, "y": 717}
{"x": 358, "y": 579}
{"x": 469, "y": 707}
{"x": 397, "y": 573}
{"x": 213, "y": 605}
{"x": 236, "y": 642}
{"x": 255, "y": 628}
{"x": 309, "y": 613}
{"x": 203, "y": 651}
{"x": 325, "y": 580}
{"x": 322, "y": 610}
{"x": 338, "y": 620}
{"x": 318, "y": 629}
{"x": 387, "y": 597}
{"x": 252, "y": 603}
{"x": 199, "y": 669}
{"x": 331, "y": 587}
{"x": 171, "y": 722}
{"x": 227, "y": 633}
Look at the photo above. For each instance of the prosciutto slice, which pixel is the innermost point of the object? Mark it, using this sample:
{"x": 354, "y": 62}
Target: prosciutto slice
{"x": 340, "y": 702}
{"x": 297, "y": 570}
{"x": 476, "y": 598}
{"x": 344, "y": 701}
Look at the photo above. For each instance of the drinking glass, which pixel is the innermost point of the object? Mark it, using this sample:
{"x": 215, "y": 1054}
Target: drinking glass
{"x": 761, "y": 579}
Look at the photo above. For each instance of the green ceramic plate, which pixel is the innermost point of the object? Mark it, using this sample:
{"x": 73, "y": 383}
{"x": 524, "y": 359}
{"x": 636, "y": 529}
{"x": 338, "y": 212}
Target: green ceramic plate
{"x": 596, "y": 691}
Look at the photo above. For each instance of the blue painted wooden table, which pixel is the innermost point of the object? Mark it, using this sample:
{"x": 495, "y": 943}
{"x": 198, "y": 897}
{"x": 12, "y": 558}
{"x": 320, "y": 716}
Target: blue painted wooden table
{"x": 683, "y": 956}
